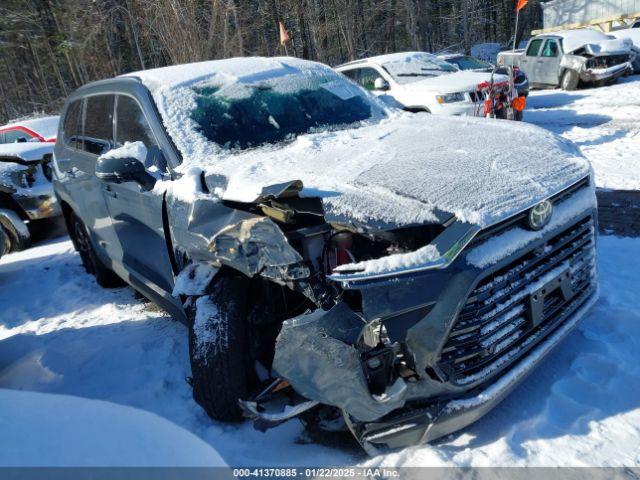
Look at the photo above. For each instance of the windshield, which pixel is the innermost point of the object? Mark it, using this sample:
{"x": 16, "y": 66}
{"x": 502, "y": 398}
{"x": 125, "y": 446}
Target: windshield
{"x": 244, "y": 115}
{"x": 469, "y": 63}
{"x": 417, "y": 67}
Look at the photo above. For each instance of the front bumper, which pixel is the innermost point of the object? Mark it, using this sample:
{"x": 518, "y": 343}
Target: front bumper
{"x": 606, "y": 74}
{"x": 429, "y": 422}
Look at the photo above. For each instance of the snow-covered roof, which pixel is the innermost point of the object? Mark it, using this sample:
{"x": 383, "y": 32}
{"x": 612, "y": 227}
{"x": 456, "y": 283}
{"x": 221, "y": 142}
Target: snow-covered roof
{"x": 46, "y": 127}
{"x": 246, "y": 70}
{"x": 27, "y": 151}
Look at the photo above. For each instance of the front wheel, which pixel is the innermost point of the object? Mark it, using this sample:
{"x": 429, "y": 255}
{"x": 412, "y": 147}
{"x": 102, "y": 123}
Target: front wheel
{"x": 221, "y": 366}
{"x": 570, "y": 80}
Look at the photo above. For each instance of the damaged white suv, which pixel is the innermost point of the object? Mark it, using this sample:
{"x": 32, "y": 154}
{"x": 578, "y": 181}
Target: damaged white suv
{"x": 361, "y": 268}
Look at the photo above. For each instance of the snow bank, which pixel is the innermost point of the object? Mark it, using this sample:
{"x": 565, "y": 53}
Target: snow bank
{"x": 44, "y": 430}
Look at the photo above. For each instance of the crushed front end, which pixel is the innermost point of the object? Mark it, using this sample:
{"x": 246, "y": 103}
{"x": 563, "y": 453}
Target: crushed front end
{"x": 410, "y": 353}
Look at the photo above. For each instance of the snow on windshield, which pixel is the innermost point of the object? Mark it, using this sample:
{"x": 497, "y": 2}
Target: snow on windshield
{"x": 240, "y": 115}
{"x": 417, "y": 66}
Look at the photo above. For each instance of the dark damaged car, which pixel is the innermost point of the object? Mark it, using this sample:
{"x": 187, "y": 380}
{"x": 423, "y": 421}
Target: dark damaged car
{"x": 26, "y": 194}
{"x": 332, "y": 260}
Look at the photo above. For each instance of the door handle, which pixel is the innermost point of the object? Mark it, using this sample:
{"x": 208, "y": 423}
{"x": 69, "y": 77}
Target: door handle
{"x": 109, "y": 192}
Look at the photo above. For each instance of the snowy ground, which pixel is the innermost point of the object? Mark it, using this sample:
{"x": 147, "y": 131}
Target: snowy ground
{"x": 61, "y": 334}
{"x": 603, "y": 122}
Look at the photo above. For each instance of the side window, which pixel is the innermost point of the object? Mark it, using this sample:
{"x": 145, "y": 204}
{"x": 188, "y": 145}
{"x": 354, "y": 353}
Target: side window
{"x": 550, "y": 49}
{"x": 352, "y": 74}
{"x": 13, "y": 136}
{"x": 534, "y": 47}
{"x": 367, "y": 78}
{"x": 98, "y": 124}
{"x": 72, "y": 126}
{"x": 131, "y": 124}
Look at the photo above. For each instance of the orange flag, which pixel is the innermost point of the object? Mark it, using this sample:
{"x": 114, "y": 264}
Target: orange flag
{"x": 521, "y": 4}
{"x": 284, "y": 35}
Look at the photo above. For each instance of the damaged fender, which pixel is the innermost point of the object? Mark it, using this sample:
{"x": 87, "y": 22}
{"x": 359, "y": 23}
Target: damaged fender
{"x": 257, "y": 246}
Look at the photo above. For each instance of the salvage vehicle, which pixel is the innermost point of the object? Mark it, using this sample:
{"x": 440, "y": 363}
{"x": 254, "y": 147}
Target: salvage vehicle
{"x": 355, "y": 266}
{"x": 421, "y": 82}
{"x": 26, "y": 193}
{"x": 40, "y": 129}
{"x": 633, "y": 35}
{"x": 573, "y": 57}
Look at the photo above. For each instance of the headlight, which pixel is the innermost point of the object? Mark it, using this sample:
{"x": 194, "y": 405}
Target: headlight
{"x": 451, "y": 97}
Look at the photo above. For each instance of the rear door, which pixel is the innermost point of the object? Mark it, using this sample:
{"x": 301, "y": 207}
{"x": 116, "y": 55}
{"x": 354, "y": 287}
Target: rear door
{"x": 136, "y": 214}
{"x": 549, "y": 62}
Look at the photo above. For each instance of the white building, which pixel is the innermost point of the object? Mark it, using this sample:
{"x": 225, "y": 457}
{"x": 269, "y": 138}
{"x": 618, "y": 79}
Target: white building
{"x": 607, "y": 14}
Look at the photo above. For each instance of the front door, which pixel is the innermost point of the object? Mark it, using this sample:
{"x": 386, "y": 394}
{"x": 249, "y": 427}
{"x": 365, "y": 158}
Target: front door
{"x": 136, "y": 214}
{"x": 530, "y": 60}
{"x": 549, "y": 62}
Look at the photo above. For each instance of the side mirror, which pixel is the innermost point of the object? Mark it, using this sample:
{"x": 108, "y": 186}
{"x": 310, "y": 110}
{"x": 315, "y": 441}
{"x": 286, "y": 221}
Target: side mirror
{"x": 381, "y": 84}
{"x": 121, "y": 170}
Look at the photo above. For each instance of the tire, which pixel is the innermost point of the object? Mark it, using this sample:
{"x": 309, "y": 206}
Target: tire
{"x": 219, "y": 348}
{"x": 570, "y": 80}
{"x": 79, "y": 234}
{"x": 5, "y": 243}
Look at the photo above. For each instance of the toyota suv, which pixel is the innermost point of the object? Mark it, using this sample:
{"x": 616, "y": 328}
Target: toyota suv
{"x": 332, "y": 259}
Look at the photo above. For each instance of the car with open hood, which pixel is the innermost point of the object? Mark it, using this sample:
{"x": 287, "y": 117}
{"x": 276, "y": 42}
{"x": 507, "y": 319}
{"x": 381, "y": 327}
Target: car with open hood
{"x": 572, "y": 57}
{"x": 421, "y": 82}
{"x": 335, "y": 260}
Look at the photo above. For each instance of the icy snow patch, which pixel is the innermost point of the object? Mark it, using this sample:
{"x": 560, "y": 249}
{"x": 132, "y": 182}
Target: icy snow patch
{"x": 135, "y": 150}
{"x": 194, "y": 279}
{"x": 396, "y": 261}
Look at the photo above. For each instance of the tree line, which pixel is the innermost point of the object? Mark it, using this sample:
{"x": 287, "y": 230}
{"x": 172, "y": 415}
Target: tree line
{"x": 48, "y": 48}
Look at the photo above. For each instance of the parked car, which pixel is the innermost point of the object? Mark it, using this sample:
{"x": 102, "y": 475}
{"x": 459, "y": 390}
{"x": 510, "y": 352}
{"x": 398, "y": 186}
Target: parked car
{"x": 469, "y": 63}
{"x": 633, "y": 35}
{"x": 350, "y": 264}
{"x": 42, "y": 129}
{"x": 26, "y": 193}
{"x": 421, "y": 82}
{"x": 569, "y": 58}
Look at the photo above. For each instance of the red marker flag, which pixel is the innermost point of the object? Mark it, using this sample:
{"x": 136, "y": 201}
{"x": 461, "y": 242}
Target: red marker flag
{"x": 521, "y": 4}
{"x": 284, "y": 35}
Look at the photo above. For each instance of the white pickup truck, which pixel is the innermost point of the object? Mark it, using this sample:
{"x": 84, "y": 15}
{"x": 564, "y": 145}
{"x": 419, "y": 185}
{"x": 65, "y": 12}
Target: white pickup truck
{"x": 568, "y": 58}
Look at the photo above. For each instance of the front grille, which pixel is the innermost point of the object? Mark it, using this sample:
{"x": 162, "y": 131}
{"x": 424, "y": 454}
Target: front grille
{"x": 608, "y": 61}
{"x": 498, "y": 323}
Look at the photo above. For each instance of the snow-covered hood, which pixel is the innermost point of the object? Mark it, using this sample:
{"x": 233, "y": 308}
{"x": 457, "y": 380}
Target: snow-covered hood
{"x": 26, "y": 151}
{"x": 407, "y": 169}
{"x": 594, "y": 42}
{"x": 462, "y": 81}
